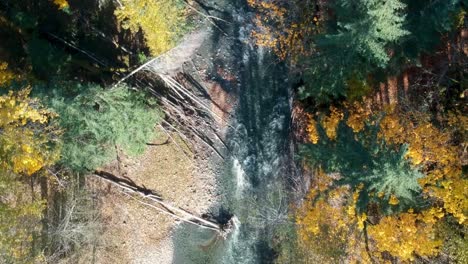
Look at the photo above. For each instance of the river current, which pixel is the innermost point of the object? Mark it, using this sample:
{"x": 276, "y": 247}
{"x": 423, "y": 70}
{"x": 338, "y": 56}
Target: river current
{"x": 256, "y": 169}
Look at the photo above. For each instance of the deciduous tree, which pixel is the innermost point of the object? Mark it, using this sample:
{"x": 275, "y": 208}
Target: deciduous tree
{"x": 6, "y": 76}
{"x": 162, "y": 21}
{"x": 28, "y": 143}
{"x": 26, "y": 137}
{"x": 396, "y": 169}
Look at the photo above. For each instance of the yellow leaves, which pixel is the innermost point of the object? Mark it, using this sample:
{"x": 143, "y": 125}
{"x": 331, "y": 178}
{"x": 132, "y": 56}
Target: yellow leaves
{"x": 284, "y": 34}
{"x": 317, "y": 212}
{"x": 458, "y": 120}
{"x": 454, "y": 194}
{"x": 433, "y": 149}
{"x": 161, "y": 21}
{"x": 415, "y": 155}
{"x": 312, "y": 131}
{"x": 393, "y": 200}
{"x": 391, "y": 130}
{"x": 327, "y": 218}
{"x": 352, "y": 207}
{"x": 24, "y": 150}
{"x": 357, "y": 117}
{"x": 19, "y": 219}
{"x": 27, "y": 160}
{"x": 360, "y": 220}
{"x": 321, "y": 214}
{"x": 430, "y": 148}
{"x": 353, "y": 215}
{"x": 432, "y": 215}
{"x": 273, "y": 8}
{"x": 16, "y": 109}
{"x": 330, "y": 123}
{"x": 6, "y": 76}
{"x": 460, "y": 18}
{"x": 404, "y": 236}
{"x": 61, "y": 4}
{"x": 426, "y": 143}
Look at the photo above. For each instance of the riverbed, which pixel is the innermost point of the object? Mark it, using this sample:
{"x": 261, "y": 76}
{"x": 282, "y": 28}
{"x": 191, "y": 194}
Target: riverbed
{"x": 253, "y": 176}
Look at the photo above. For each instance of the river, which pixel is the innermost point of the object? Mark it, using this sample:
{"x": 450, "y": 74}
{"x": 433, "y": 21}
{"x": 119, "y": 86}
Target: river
{"x": 254, "y": 176}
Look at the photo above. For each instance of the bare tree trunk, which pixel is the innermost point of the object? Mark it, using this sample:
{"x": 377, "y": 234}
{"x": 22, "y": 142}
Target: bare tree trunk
{"x": 131, "y": 188}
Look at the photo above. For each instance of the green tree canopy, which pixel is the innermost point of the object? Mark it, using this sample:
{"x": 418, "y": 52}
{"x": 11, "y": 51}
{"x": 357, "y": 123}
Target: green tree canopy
{"x": 97, "y": 121}
{"x": 366, "y": 38}
{"x": 356, "y": 42}
{"x": 364, "y": 158}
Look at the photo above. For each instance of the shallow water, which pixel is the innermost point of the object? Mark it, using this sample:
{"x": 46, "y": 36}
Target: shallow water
{"x": 256, "y": 170}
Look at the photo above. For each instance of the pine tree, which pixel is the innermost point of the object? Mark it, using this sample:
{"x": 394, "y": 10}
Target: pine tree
{"x": 348, "y": 142}
{"x": 359, "y": 39}
{"x": 427, "y": 22}
{"x": 395, "y": 181}
{"x": 97, "y": 121}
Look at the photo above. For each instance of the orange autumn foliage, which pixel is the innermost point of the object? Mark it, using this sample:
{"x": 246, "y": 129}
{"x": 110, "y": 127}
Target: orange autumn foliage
{"x": 328, "y": 222}
{"x": 431, "y": 149}
{"x": 330, "y": 122}
{"x": 405, "y": 235}
{"x": 358, "y": 115}
{"x": 311, "y": 129}
{"x": 275, "y": 30}
{"x": 61, "y": 4}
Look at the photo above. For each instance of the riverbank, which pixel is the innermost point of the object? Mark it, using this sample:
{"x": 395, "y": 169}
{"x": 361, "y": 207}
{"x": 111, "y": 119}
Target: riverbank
{"x": 135, "y": 233}
{"x": 183, "y": 173}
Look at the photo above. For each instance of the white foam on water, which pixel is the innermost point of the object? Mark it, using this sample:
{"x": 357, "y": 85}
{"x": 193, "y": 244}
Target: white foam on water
{"x": 239, "y": 175}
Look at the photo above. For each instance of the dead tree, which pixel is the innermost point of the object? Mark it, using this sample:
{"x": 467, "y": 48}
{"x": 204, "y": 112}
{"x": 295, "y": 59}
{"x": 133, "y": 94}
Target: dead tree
{"x": 153, "y": 200}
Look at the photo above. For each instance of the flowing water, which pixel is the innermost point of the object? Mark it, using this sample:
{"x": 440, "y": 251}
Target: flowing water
{"x": 257, "y": 167}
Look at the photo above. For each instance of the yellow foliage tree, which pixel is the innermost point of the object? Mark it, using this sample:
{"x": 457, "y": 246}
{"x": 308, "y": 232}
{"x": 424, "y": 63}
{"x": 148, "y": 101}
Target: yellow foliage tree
{"x": 61, "y": 4}
{"x": 358, "y": 115}
{"x": 330, "y": 122}
{"x": 328, "y": 223}
{"x": 406, "y": 235}
{"x": 25, "y": 134}
{"x": 6, "y": 76}
{"x": 430, "y": 148}
{"x": 20, "y": 218}
{"x": 275, "y": 29}
{"x": 162, "y": 21}
{"x": 26, "y": 146}
{"x": 311, "y": 129}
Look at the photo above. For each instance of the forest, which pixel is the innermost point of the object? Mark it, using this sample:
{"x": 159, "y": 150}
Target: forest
{"x": 288, "y": 131}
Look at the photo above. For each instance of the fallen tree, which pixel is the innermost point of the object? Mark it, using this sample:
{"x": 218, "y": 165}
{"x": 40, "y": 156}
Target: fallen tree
{"x": 153, "y": 200}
